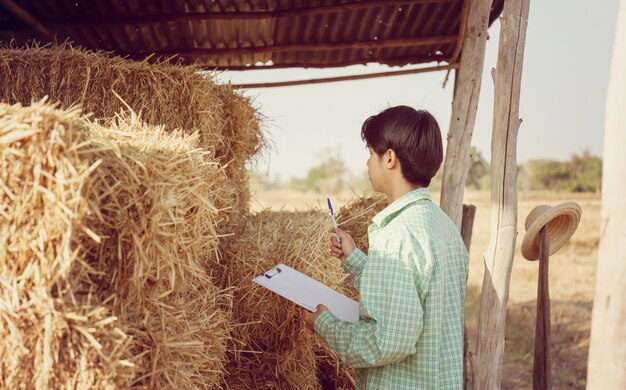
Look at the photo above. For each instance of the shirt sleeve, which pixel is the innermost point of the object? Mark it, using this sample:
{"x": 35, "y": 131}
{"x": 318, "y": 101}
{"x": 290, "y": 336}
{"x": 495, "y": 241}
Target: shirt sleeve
{"x": 354, "y": 264}
{"x": 391, "y": 316}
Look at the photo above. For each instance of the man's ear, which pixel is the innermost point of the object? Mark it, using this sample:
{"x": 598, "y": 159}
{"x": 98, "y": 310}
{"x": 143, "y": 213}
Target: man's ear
{"x": 391, "y": 159}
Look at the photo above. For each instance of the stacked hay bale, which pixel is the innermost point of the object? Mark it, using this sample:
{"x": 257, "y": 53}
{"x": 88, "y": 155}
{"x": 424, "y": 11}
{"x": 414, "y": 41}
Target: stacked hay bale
{"x": 331, "y": 373}
{"x": 153, "y": 205}
{"x": 354, "y": 218}
{"x": 54, "y": 328}
{"x": 239, "y": 126}
{"x": 271, "y": 348}
{"x": 111, "y": 227}
{"x": 108, "y": 233}
{"x": 156, "y": 192}
{"x": 179, "y": 97}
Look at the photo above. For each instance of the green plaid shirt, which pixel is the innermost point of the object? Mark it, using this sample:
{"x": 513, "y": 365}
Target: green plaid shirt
{"x": 412, "y": 289}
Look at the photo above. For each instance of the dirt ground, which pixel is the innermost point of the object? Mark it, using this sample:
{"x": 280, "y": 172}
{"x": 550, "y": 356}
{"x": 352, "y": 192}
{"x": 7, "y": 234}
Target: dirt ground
{"x": 572, "y": 283}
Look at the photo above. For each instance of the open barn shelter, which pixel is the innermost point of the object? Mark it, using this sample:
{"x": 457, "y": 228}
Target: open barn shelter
{"x": 249, "y": 35}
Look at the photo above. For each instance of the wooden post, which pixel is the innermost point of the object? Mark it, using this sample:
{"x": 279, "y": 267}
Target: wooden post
{"x": 464, "y": 105}
{"x": 467, "y": 226}
{"x": 542, "y": 365}
{"x": 607, "y": 351}
{"x": 499, "y": 254}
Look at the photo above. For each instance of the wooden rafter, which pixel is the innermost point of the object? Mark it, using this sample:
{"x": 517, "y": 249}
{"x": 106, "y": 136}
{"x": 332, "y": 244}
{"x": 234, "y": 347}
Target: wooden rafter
{"x": 372, "y": 44}
{"x": 393, "y": 61}
{"x": 461, "y": 36}
{"x": 29, "y": 19}
{"x": 344, "y": 78}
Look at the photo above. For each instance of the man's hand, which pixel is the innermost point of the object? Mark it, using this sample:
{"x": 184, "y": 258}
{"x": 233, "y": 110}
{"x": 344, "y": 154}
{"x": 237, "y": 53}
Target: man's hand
{"x": 309, "y": 318}
{"x": 342, "y": 249}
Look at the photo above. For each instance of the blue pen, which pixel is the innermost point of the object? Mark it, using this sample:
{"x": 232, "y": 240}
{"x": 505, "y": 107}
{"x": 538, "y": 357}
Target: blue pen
{"x": 332, "y": 214}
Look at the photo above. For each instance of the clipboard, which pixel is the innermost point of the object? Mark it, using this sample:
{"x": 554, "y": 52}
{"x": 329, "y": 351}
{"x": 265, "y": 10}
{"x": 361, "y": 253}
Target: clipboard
{"x": 308, "y": 292}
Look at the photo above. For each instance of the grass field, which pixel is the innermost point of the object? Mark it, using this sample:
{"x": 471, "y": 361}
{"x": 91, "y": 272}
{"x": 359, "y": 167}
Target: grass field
{"x": 572, "y": 283}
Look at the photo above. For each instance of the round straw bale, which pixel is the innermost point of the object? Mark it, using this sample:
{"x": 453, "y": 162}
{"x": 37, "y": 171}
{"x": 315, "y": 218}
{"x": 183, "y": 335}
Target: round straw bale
{"x": 267, "y": 328}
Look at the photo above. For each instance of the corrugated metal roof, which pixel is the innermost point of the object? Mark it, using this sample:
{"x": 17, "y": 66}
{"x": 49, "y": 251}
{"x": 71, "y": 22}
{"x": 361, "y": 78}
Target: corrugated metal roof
{"x": 245, "y": 34}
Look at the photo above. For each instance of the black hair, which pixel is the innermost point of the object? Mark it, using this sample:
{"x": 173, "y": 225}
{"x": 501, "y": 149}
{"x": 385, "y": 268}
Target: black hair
{"x": 413, "y": 135}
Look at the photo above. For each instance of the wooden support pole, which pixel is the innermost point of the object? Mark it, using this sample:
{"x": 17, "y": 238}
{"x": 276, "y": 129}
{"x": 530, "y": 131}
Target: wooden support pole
{"x": 467, "y": 226}
{"x": 499, "y": 254}
{"x": 607, "y": 352}
{"x": 464, "y": 105}
{"x": 542, "y": 364}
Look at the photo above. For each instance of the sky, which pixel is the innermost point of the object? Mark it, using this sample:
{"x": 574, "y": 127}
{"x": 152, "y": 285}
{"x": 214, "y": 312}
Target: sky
{"x": 562, "y": 99}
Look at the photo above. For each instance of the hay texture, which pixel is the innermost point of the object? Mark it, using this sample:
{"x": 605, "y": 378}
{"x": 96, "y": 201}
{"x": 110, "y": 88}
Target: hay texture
{"x": 178, "y": 97}
{"x": 271, "y": 347}
{"x": 156, "y": 196}
{"x": 331, "y": 373}
{"x": 54, "y": 330}
{"x": 108, "y": 240}
{"x": 356, "y": 216}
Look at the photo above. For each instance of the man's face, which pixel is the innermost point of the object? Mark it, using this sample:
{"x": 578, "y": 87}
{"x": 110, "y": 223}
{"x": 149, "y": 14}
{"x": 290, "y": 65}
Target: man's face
{"x": 375, "y": 170}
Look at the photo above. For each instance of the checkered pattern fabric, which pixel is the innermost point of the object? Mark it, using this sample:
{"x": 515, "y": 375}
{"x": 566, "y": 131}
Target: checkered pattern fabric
{"x": 412, "y": 290}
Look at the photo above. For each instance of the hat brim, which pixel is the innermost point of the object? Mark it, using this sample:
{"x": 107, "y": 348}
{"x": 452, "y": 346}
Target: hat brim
{"x": 561, "y": 220}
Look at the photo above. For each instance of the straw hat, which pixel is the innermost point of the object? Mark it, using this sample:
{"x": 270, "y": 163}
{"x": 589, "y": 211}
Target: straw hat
{"x": 561, "y": 220}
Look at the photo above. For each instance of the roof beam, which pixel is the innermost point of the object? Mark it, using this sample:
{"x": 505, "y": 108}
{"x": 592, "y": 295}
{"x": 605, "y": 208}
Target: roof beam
{"x": 345, "y": 78}
{"x": 29, "y": 19}
{"x": 392, "y": 61}
{"x": 291, "y": 47}
{"x": 231, "y": 15}
{"x": 460, "y": 38}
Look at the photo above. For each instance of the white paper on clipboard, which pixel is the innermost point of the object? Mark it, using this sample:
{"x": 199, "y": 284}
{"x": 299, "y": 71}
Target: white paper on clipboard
{"x": 308, "y": 292}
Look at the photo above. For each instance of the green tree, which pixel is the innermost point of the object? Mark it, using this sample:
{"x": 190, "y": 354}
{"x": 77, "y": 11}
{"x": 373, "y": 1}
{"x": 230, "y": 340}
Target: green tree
{"x": 261, "y": 182}
{"x": 327, "y": 176}
{"x": 587, "y": 172}
{"x": 478, "y": 170}
{"x": 582, "y": 173}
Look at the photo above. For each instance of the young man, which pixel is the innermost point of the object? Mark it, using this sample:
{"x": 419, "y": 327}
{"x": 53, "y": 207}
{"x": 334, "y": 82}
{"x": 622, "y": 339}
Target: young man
{"x": 412, "y": 281}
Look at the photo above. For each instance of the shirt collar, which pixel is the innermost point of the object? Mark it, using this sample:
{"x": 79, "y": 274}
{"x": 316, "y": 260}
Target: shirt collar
{"x": 400, "y": 203}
